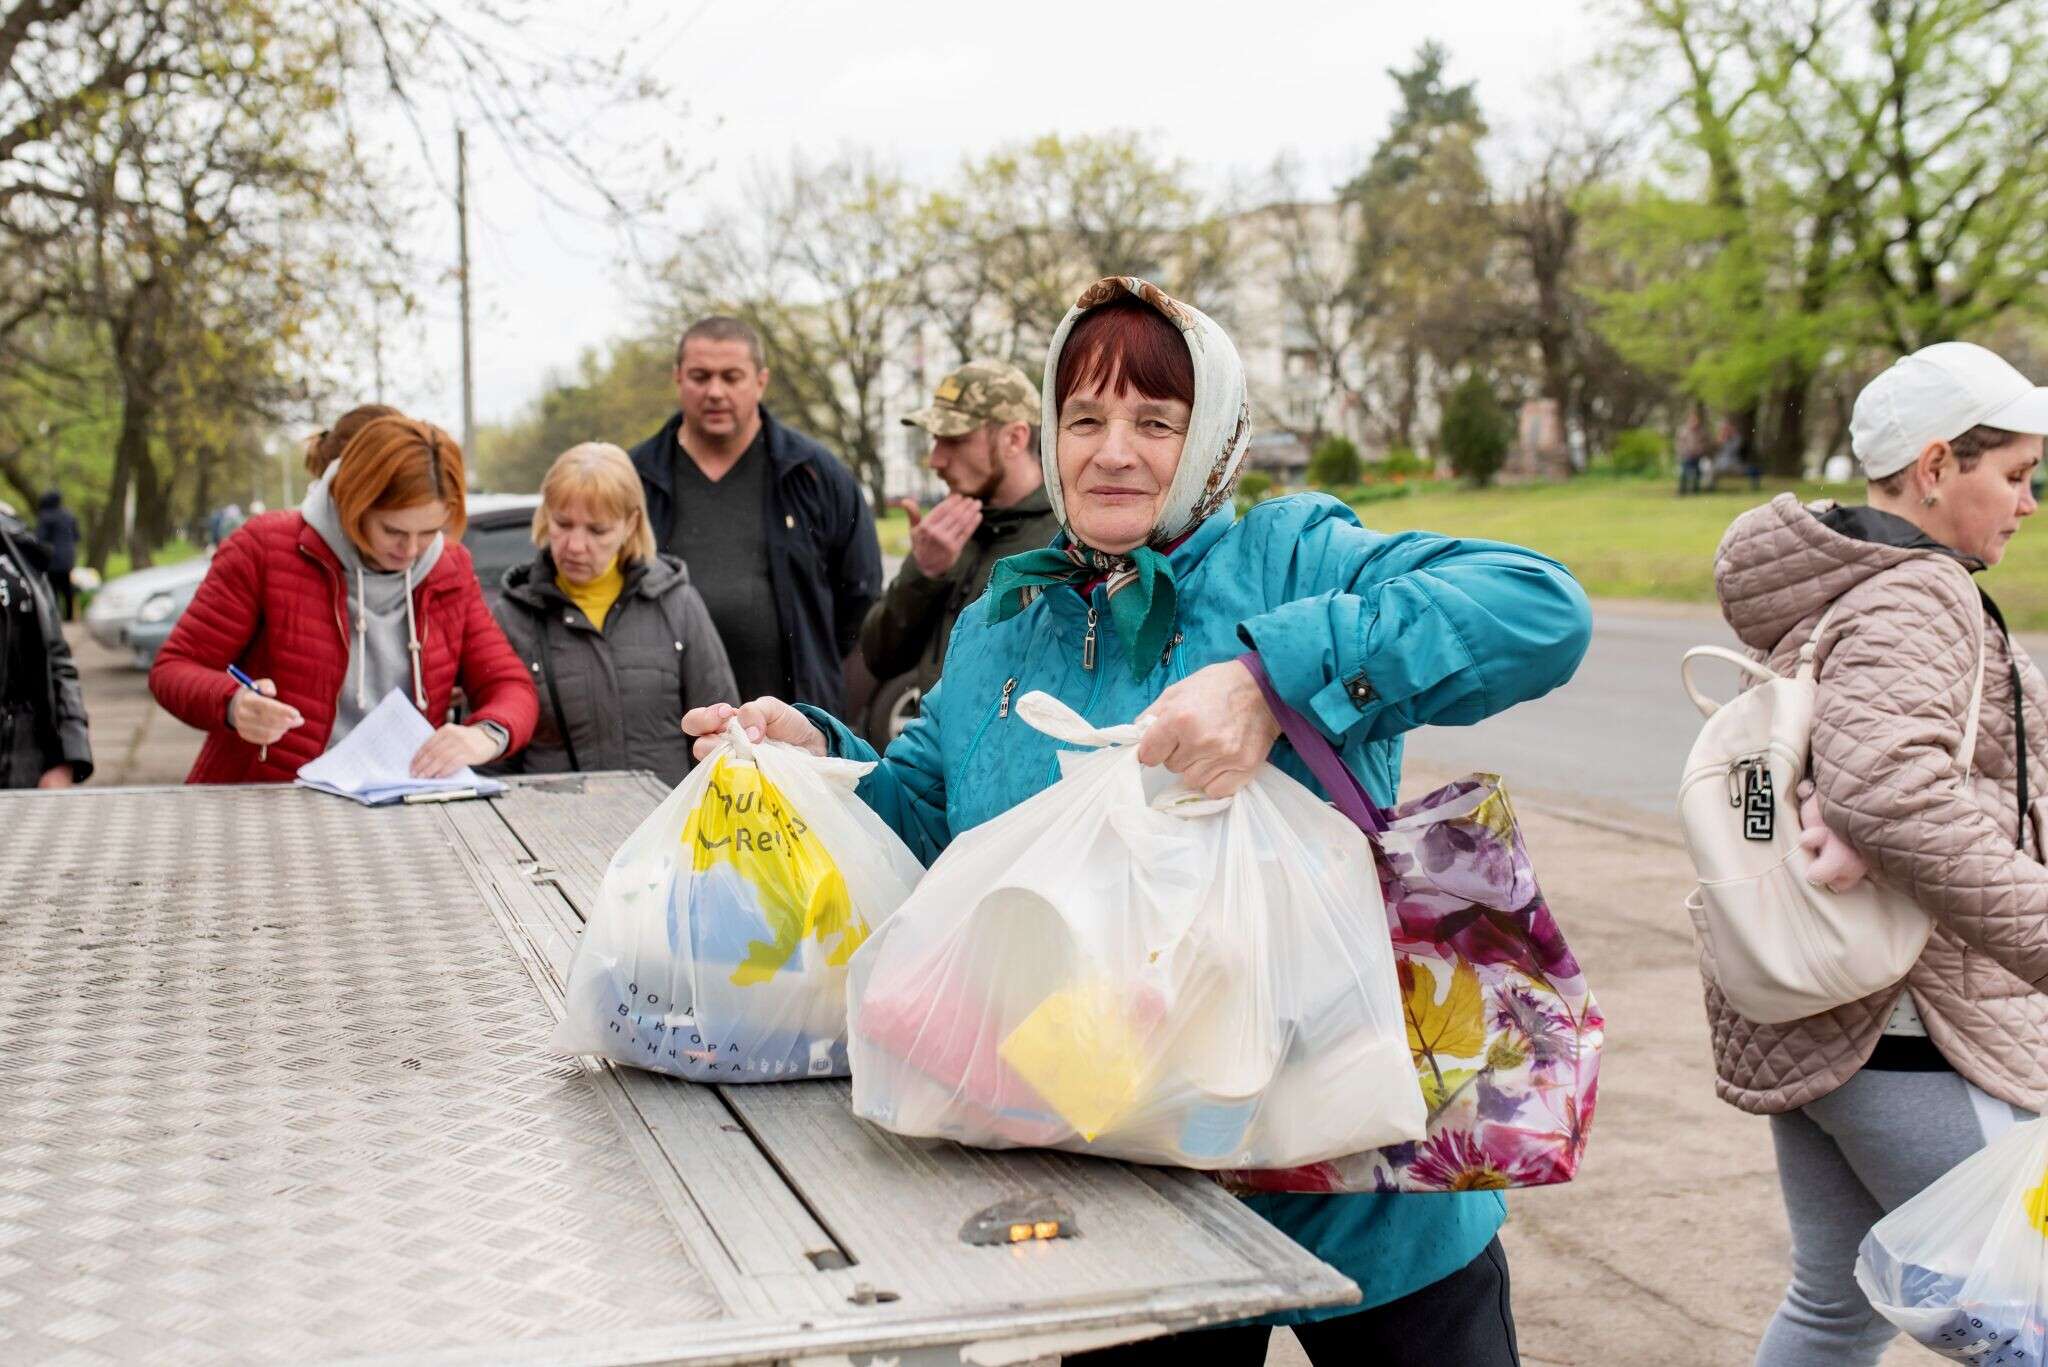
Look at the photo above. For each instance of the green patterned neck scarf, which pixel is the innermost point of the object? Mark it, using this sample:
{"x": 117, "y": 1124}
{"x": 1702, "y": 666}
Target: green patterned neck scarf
{"x": 1141, "y": 592}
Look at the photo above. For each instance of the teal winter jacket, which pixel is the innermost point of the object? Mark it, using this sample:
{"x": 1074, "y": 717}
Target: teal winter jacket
{"x": 1368, "y": 635}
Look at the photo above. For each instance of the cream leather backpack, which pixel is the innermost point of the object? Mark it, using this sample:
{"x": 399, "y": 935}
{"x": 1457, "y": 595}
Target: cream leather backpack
{"x": 1780, "y": 948}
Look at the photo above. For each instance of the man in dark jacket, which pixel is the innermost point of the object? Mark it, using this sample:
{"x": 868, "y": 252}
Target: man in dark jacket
{"x": 983, "y": 421}
{"x": 44, "y": 738}
{"x": 779, "y": 540}
{"x": 57, "y": 529}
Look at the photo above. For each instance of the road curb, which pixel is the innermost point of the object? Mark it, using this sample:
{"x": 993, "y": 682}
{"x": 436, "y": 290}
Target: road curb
{"x": 1421, "y": 775}
{"x": 1578, "y": 816}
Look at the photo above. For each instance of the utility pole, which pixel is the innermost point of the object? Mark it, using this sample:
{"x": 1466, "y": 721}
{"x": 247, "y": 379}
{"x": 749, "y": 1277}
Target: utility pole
{"x": 377, "y": 342}
{"x": 462, "y": 257}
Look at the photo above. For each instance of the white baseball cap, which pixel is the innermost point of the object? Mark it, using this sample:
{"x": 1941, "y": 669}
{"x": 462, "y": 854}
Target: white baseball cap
{"x": 1937, "y": 394}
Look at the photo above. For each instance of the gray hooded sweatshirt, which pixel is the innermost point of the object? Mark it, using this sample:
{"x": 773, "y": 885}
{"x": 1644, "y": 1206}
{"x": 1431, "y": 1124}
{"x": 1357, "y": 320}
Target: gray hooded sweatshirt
{"x": 383, "y": 635}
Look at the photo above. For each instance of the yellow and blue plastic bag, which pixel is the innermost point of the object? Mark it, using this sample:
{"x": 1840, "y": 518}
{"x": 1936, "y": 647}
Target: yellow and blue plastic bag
{"x": 719, "y": 947}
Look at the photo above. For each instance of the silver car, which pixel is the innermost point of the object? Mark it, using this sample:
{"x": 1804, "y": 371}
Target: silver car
{"x": 157, "y": 594}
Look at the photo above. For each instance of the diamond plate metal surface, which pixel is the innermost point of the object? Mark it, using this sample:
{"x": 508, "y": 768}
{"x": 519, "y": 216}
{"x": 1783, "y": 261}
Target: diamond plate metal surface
{"x": 272, "y": 1085}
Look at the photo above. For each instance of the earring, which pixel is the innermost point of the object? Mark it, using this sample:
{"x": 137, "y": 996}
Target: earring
{"x": 1930, "y": 500}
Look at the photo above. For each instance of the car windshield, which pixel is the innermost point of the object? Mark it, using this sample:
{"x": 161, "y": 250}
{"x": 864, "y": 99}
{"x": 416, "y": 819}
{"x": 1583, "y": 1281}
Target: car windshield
{"x": 498, "y": 547}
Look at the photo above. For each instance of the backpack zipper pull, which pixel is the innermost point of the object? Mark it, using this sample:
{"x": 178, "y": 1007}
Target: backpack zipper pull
{"x": 1736, "y": 774}
{"x": 1088, "y": 643}
{"x": 1003, "y": 708}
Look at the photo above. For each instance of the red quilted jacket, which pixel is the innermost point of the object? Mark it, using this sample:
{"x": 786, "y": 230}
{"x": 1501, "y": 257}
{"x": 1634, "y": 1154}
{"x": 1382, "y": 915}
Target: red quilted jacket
{"x": 274, "y": 602}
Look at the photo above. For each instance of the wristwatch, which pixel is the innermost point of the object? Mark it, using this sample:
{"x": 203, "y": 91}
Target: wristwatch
{"x": 496, "y": 733}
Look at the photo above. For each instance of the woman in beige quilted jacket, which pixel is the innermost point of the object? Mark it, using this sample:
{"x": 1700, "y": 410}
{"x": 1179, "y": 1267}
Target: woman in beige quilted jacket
{"x": 1871, "y": 1102}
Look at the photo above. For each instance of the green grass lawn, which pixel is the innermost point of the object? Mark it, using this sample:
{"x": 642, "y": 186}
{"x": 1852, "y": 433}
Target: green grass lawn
{"x": 894, "y": 530}
{"x": 170, "y": 553}
{"x": 1636, "y": 539}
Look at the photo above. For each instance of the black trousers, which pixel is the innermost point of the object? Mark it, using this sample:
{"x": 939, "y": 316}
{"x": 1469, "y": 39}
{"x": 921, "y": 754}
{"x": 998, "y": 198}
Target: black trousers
{"x": 1462, "y": 1321}
{"x": 60, "y": 585}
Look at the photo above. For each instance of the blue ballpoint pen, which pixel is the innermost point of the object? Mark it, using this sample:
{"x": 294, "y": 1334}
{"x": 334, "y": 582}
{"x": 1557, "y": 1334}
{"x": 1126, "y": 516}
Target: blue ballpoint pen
{"x": 235, "y": 673}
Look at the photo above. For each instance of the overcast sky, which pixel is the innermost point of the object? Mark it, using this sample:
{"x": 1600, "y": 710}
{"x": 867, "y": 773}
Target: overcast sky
{"x": 928, "y": 83}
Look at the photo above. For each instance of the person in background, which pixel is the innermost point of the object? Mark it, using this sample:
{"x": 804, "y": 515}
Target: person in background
{"x": 364, "y": 589}
{"x": 618, "y": 643}
{"x": 1142, "y": 609}
{"x": 45, "y": 741}
{"x": 1872, "y": 1101}
{"x": 1693, "y": 450}
{"x": 779, "y": 539}
{"x": 57, "y": 529}
{"x": 1736, "y": 454}
{"x": 983, "y": 421}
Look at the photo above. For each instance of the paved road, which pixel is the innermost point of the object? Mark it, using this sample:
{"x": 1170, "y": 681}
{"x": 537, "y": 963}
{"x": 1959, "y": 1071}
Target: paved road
{"x": 1613, "y": 740}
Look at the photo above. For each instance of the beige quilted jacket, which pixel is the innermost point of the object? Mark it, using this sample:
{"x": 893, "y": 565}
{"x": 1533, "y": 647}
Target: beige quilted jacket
{"x": 1896, "y": 671}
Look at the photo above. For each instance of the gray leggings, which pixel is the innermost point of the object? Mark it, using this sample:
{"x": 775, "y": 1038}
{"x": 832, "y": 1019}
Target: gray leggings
{"x": 1844, "y": 1162}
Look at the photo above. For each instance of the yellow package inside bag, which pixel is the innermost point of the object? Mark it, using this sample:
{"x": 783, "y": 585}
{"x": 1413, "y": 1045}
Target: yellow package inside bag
{"x": 1083, "y": 1051}
{"x": 743, "y": 822}
{"x": 2037, "y": 1206}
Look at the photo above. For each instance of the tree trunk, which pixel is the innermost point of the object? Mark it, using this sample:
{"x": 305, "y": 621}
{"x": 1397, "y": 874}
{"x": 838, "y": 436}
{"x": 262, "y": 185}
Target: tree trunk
{"x": 152, "y": 508}
{"x": 1786, "y": 455}
{"x": 131, "y": 454}
{"x": 1407, "y": 396}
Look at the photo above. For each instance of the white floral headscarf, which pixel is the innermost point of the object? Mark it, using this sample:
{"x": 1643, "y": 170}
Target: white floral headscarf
{"x": 1218, "y": 430}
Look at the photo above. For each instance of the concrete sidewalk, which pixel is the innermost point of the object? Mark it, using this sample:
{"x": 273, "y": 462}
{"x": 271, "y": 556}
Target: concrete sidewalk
{"x": 1670, "y": 1249}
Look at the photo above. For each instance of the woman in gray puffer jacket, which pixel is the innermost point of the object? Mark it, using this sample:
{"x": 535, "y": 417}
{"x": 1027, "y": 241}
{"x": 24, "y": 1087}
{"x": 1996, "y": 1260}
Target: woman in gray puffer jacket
{"x": 618, "y": 643}
{"x": 1872, "y": 1101}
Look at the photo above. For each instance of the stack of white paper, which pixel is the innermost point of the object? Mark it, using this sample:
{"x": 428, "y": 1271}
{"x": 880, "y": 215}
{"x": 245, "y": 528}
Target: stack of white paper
{"x": 373, "y": 763}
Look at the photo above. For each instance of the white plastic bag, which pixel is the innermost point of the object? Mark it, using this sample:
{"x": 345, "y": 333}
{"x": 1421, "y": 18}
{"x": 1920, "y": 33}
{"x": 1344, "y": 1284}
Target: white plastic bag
{"x": 719, "y": 947}
{"x": 1963, "y": 1266}
{"x": 1122, "y": 967}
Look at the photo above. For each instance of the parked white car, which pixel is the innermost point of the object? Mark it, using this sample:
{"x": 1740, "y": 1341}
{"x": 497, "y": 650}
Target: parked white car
{"x": 150, "y": 595}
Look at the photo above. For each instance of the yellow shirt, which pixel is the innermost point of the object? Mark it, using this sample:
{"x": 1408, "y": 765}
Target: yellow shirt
{"x": 596, "y": 597}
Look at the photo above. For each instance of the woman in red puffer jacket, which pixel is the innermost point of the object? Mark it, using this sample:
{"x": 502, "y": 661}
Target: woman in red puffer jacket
{"x": 366, "y": 588}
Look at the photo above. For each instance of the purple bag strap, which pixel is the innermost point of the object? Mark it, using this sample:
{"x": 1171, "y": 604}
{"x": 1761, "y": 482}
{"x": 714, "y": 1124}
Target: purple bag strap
{"x": 1347, "y": 794}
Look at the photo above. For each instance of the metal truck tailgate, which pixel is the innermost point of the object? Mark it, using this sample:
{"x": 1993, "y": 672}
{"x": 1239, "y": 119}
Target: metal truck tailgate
{"x": 274, "y": 1083}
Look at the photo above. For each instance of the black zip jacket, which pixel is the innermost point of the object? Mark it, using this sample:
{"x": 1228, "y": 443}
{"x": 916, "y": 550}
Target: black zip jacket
{"x": 824, "y": 563}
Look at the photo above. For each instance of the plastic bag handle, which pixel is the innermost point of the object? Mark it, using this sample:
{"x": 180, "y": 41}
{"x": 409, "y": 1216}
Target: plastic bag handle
{"x": 1347, "y": 794}
{"x": 1044, "y": 713}
{"x": 735, "y": 735}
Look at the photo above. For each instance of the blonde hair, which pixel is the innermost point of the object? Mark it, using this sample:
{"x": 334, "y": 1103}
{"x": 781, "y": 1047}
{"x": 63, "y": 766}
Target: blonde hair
{"x": 601, "y": 477}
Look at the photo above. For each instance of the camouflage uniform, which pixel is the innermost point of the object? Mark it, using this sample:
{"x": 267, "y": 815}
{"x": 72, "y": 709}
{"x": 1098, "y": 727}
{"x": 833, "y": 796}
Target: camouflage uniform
{"x": 907, "y": 630}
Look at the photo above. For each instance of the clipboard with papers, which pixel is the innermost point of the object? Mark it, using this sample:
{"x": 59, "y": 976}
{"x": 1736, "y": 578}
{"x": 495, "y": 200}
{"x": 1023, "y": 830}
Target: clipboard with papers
{"x": 372, "y": 765}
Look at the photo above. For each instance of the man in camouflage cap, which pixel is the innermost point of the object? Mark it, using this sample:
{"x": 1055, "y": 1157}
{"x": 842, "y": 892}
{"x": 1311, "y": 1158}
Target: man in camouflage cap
{"x": 983, "y": 421}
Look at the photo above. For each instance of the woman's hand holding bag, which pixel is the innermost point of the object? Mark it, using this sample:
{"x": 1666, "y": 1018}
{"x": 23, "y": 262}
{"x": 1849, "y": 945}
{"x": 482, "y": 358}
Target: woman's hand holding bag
{"x": 1213, "y": 728}
{"x": 769, "y": 719}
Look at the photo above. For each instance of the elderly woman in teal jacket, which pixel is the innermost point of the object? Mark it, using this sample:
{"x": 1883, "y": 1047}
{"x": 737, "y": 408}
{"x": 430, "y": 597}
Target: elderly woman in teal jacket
{"x": 1140, "y": 608}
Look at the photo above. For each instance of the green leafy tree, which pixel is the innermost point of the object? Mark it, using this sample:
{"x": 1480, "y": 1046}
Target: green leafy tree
{"x": 1334, "y": 462}
{"x": 195, "y": 220}
{"x": 1476, "y": 430}
{"x": 1861, "y": 179}
{"x": 1422, "y": 264}
{"x": 1016, "y": 234}
{"x": 618, "y": 395}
